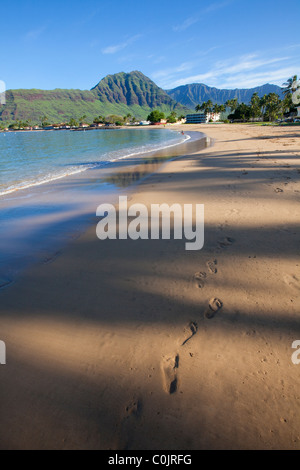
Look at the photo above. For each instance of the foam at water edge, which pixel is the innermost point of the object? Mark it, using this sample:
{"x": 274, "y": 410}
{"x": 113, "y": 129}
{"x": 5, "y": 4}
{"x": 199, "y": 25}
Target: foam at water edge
{"x": 51, "y": 178}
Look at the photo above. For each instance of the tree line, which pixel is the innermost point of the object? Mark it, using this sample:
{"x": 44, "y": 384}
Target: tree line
{"x": 267, "y": 108}
{"x": 44, "y": 122}
{"x": 83, "y": 120}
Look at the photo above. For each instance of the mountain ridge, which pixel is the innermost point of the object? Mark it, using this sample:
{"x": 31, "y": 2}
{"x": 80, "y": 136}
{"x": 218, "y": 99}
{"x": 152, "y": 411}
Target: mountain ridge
{"x": 118, "y": 94}
{"x": 196, "y": 93}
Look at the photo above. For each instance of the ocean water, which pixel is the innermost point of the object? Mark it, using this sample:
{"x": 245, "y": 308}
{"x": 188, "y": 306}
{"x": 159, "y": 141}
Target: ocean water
{"x": 42, "y": 207}
{"x": 30, "y": 159}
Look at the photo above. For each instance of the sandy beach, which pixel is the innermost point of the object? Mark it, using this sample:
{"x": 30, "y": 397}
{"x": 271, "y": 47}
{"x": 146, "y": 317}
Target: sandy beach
{"x": 98, "y": 337}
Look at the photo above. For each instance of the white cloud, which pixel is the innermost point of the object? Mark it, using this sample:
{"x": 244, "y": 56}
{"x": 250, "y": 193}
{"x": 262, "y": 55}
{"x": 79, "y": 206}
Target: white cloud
{"x": 196, "y": 18}
{"x": 276, "y": 77}
{"x": 170, "y": 72}
{"x": 291, "y": 46}
{"x": 186, "y": 24}
{"x": 248, "y": 62}
{"x": 216, "y": 6}
{"x": 35, "y": 33}
{"x": 245, "y": 71}
{"x": 119, "y": 47}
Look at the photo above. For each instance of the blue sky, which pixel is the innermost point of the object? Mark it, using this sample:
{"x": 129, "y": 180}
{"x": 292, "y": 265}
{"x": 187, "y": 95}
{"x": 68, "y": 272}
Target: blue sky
{"x": 222, "y": 43}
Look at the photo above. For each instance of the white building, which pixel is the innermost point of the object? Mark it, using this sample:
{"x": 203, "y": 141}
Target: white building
{"x": 215, "y": 117}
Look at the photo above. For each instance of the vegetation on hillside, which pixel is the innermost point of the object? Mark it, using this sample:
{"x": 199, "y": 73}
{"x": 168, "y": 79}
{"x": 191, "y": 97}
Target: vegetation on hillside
{"x": 132, "y": 94}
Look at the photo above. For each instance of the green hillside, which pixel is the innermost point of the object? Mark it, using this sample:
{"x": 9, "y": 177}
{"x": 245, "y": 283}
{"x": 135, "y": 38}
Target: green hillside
{"x": 119, "y": 94}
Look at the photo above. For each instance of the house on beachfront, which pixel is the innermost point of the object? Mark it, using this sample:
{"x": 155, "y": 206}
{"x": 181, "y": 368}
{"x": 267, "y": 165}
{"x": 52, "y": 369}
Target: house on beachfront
{"x": 96, "y": 125}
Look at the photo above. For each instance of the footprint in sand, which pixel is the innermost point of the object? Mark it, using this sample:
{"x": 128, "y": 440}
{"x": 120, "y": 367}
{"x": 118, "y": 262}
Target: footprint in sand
{"x": 292, "y": 281}
{"x": 232, "y": 212}
{"x": 127, "y": 430}
{"x": 227, "y": 241}
{"x": 170, "y": 366}
{"x": 199, "y": 279}
{"x": 193, "y": 327}
{"x": 212, "y": 266}
{"x": 223, "y": 226}
{"x": 213, "y": 307}
{"x": 133, "y": 408}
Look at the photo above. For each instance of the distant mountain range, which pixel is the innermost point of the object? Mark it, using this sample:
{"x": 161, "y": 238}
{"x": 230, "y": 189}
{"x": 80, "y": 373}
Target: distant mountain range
{"x": 118, "y": 94}
{"x": 191, "y": 95}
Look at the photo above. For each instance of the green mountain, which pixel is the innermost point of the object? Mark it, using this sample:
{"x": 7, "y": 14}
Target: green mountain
{"x": 134, "y": 89}
{"x": 197, "y": 93}
{"x": 118, "y": 94}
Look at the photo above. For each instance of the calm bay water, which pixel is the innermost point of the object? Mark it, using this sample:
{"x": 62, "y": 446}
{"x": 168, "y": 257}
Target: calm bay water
{"x": 37, "y": 221}
{"x": 33, "y": 158}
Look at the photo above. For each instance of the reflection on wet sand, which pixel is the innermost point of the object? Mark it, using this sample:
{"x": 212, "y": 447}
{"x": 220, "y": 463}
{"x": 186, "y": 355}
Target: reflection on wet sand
{"x": 130, "y": 175}
{"x": 126, "y": 177}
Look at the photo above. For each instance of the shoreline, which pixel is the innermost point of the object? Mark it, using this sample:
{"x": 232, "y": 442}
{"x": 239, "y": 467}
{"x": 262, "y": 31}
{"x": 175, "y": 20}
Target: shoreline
{"x": 63, "y": 208}
{"x": 100, "y": 164}
{"x": 96, "y": 337}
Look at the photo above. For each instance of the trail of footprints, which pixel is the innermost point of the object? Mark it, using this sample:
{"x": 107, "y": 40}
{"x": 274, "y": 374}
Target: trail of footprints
{"x": 215, "y": 304}
{"x": 170, "y": 363}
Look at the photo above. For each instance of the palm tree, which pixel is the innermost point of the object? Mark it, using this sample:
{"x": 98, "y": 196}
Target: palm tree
{"x": 218, "y": 108}
{"x": 286, "y": 104}
{"x": 73, "y": 123}
{"x": 273, "y": 106}
{"x": 44, "y": 120}
{"x": 262, "y": 103}
{"x": 291, "y": 100}
{"x": 209, "y": 106}
{"x": 255, "y": 106}
{"x": 127, "y": 118}
{"x": 232, "y": 104}
{"x": 82, "y": 119}
{"x": 289, "y": 85}
{"x": 205, "y": 106}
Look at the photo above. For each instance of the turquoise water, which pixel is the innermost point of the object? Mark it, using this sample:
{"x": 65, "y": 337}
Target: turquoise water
{"x": 33, "y": 158}
{"x": 36, "y": 223}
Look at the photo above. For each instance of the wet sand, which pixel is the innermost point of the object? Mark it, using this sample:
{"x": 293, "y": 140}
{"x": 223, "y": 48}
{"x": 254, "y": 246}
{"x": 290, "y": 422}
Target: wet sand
{"x": 144, "y": 345}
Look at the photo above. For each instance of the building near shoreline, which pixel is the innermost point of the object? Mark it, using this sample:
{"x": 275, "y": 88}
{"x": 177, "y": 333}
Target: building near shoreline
{"x": 199, "y": 118}
{"x": 202, "y": 118}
